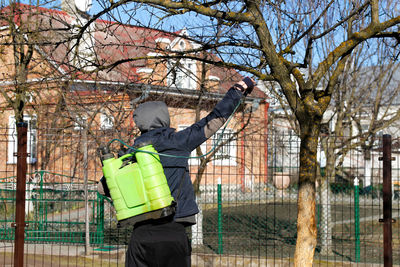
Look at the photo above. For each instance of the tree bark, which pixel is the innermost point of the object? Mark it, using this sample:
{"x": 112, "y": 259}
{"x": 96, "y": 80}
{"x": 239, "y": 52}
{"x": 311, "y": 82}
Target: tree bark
{"x": 306, "y": 225}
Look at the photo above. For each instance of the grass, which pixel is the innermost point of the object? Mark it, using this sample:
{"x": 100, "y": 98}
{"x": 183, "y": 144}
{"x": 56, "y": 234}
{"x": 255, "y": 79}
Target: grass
{"x": 270, "y": 229}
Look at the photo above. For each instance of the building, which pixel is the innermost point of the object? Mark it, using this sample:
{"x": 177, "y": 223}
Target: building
{"x": 363, "y": 108}
{"x": 81, "y": 84}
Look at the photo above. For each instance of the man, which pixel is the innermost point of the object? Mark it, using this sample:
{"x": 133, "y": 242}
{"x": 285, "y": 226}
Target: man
{"x": 163, "y": 242}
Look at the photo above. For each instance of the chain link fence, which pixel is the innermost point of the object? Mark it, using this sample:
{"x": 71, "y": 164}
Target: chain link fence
{"x": 248, "y": 203}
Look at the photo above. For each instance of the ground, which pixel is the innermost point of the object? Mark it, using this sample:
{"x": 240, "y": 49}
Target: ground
{"x": 254, "y": 232}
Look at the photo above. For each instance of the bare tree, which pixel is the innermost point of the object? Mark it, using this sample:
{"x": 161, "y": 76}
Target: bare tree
{"x": 272, "y": 40}
{"x": 365, "y": 103}
{"x": 42, "y": 58}
{"x": 47, "y": 68}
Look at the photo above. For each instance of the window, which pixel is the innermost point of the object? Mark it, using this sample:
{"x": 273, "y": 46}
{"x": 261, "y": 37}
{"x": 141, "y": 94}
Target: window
{"x": 30, "y": 97}
{"x": 182, "y": 74}
{"x": 226, "y": 155}
{"x": 294, "y": 143}
{"x": 13, "y": 140}
{"x": 347, "y": 129}
{"x": 106, "y": 122}
{"x": 182, "y": 45}
{"x": 203, "y": 147}
{"x": 364, "y": 128}
{"x": 378, "y": 140}
{"x": 80, "y": 122}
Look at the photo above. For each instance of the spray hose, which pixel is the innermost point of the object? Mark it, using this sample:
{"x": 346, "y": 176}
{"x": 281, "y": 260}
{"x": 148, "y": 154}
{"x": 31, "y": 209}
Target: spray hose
{"x": 185, "y": 157}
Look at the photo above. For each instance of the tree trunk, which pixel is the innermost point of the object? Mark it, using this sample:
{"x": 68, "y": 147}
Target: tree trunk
{"x": 306, "y": 226}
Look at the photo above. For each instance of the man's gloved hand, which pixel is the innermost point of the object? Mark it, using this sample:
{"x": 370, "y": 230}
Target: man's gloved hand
{"x": 102, "y": 187}
{"x": 246, "y": 86}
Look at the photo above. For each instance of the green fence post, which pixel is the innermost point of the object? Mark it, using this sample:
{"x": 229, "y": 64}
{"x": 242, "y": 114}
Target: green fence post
{"x": 41, "y": 205}
{"x": 220, "y": 241}
{"x": 100, "y": 218}
{"x": 357, "y": 219}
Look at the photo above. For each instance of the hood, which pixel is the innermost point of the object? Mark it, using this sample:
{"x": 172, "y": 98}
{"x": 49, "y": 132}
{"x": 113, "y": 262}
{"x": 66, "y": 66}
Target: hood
{"x": 151, "y": 115}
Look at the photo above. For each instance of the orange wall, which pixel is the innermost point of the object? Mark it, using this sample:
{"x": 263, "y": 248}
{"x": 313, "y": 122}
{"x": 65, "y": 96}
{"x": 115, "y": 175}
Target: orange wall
{"x": 62, "y": 146}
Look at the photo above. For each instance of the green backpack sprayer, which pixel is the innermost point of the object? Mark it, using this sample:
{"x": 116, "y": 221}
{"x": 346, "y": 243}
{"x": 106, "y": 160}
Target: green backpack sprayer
{"x": 137, "y": 185}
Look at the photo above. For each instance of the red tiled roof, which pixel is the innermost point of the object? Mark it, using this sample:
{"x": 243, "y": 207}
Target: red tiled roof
{"x": 113, "y": 42}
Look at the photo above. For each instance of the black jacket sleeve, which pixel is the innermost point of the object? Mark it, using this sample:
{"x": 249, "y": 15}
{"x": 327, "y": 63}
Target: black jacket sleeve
{"x": 200, "y": 131}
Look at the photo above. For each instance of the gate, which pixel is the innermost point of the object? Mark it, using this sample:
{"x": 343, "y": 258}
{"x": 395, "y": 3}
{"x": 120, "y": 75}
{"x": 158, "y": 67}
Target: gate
{"x": 55, "y": 210}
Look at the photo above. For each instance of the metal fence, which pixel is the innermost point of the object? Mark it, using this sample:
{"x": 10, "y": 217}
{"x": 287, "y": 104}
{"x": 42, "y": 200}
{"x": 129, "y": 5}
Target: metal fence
{"x": 54, "y": 210}
{"x": 248, "y": 212}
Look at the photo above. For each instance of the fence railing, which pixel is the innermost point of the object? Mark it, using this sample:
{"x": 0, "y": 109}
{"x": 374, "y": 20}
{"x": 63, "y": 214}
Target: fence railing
{"x": 246, "y": 218}
{"x": 54, "y": 210}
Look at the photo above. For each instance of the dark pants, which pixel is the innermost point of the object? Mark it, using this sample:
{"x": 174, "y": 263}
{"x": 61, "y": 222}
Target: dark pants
{"x": 158, "y": 244}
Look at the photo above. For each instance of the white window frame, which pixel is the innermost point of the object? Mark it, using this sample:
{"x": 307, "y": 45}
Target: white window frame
{"x": 106, "y": 122}
{"x": 227, "y": 154}
{"x": 203, "y": 147}
{"x": 185, "y": 74}
{"x": 79, "y": 121}
{"x": 31, "y": 140}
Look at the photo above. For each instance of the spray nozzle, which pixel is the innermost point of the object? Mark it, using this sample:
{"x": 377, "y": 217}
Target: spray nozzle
{"x": 105, "y": 153}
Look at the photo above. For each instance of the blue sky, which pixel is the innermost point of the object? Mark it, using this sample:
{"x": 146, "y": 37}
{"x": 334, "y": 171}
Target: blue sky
{"x": 129, "y": 14}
